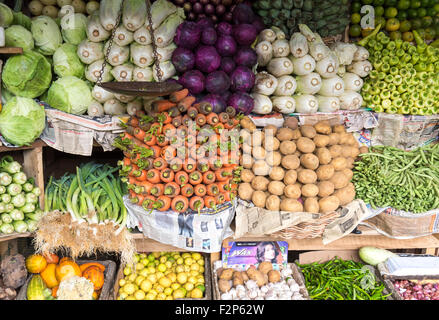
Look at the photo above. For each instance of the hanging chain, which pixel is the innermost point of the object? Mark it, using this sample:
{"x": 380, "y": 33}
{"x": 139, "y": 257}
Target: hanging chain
{"x": 110, "y": 43}
{"x": 154, "y": 45}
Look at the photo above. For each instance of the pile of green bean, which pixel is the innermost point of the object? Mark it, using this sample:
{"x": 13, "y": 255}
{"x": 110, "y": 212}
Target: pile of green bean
{"x": 340, "y": 279}
{"x": 404, "y": 180}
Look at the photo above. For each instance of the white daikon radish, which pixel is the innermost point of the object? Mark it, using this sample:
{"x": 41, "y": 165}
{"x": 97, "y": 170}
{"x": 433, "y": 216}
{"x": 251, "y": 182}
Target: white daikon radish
{"x": 286, "y": 86}
{"x": 306, "y": 103}
{"x": 134, "y": 106}
{"x": 123, "y": 36}
{"x": 95, "y": 31}
{"x": 100, "y": 94}
{"x": 352, "y": 81}
{"x": 142, "y": 36}
{"x": 280, "y": 66}
{"x": 361, "y": 54}
{"x": 118, "y": 55}
{"x": 89, "y": 51}
{"x": 332, "y": 87}
{"x": 95, "y": 109}
{"x": 167, "y": 70}
{"x": 141, "y": 56}
{"x": 142, "y": 74}
{"x": 124, "y": 98}
{"x": 328, "y": 104}
{"x": 362, "y": 68}
{"x": 309, "y": 84}
{"x": 350, "y": 100}
{"x": 124, "y": 72}
{"x": 93, "y": 70}
{"x": 328, "y": 66}
{"x": 267, "y": 35}
{"x": 304, "y": 65}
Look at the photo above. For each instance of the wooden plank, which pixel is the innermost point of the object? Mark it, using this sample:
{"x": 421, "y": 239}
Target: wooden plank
{"x": 33, "y": 167}
{"x": 37, "y": 144}
{"x": 11, "y": 50}
{"x": 15, "y": 235}
{"x": 144, "y": 244}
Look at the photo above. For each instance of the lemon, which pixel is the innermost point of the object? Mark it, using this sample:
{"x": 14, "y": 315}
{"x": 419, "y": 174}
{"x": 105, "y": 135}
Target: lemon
{"x": 188, "y": 261}
{"x": 180, "y": 260}
{"x": 392, "y": 24}
{"x": 181, "y": 278}
{"x": 168, "y": 291}
{"x": 122, "y": 282}
{"x": 172, "y": 276}
{"x": 185, "y": 255}
{"x": 132, "y": 277}
{"x": 167, "y": 272}
{"x": 142, "y": 256}
{"x": 144, "y": 262}
{"x": 154, "y": 292}
{"x": 161, "y": 296}
{"x": 146, "y": 285}
{"x": 127, "y": 271}
{"x": 355, "y": 18}
{"x": 355, "y": 30}
{"x": 200, "y": 262}
{"x": 196, "y": 293}
{"x": 151, "y": 264}
{"x": 139, "y": 295}
{"x": 390, "y": 12}
{"x": 176, "y": 256}
{"x": 196, "y": 256}
{"x": 163, "y": 259}
{"x": 144, "y": 272}
{"x": 152, "y": 278}
{"x": 187, "y": 268}
{"x": 136, "y": 258}
{"x": 150, "y": 296}
{"x": 159, "y": 275}
{"x": 201, "y": 287}
{"x": 201, "y": 270}
{"x": 171, "y": 259}
{"x": 130, "y": 298}
{"x": 169, "y": 298}
{"x": 139, "y": 280}
{"x": 179, "y": 293}
{"x": 159, "y": 288}
{"x": 156, "y": 255}
{"x": 200, "y": 279}
{"x": 129, "y": 288}
{"x": 195, "y": 267}
{"x": 194, "y": 273}
{"x": 151, "y": 257}
{"x": 161, "y": 267}
{"x": 123, "y": 295}
{"x": 165, "y": 282}
{"x": 188, "y": 286}
{"x": 168, "y": 264}
{"x": 179, "y": 268}
{"x": 156, "y": 262}
{"x": 151, "y": 270}
{"x": 175, "y": 286}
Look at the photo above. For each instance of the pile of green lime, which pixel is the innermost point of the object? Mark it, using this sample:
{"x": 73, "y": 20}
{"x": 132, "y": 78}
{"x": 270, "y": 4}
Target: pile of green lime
{"x": 398, "y": 17}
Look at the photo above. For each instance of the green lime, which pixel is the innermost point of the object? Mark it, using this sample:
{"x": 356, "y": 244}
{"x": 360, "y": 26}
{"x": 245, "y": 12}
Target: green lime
{"x": 356, "y": 7}
{"x": 379, "y": 11}
{"x": 403, "y": 4}
{"x": 394, "y": 35}
{"x": 427, "y": 21}
{"x": 416, "y": 23}
{"x": 436, "y": 7}
{"x": 355, "y": 18}
{"x": 430, "y": 34}
{"x": 421, "y": 32}
{"x": 390, "y": 12}
{"x": 422, "y": 12}
{"x": 425, "y": 3}
{"x": 355, "y": 30}
{"x": 414, "y": 4}
{"x": 377, "y": 3}
{"x": 405, "y": 26}
{"x": 380, "y": 20}
{"x": 392, "y": 24}
{"x": 408, "y": 36}
{"x": 402, "y": 15}
{"x": 412, "y": 13}
{"x": 391, "y": 3}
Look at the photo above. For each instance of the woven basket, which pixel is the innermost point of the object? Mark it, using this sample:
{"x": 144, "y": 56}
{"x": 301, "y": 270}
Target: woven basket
{"x": 306, "y": 230}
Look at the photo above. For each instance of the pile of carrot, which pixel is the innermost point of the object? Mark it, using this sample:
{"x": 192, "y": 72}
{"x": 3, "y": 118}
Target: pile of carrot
{"x": 180, "y": 155}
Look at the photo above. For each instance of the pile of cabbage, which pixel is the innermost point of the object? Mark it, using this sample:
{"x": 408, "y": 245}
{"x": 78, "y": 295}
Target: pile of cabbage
{"x": 131, "y": 56}
{"x": 303, "y": 75}
{"x": 215, "y": 62}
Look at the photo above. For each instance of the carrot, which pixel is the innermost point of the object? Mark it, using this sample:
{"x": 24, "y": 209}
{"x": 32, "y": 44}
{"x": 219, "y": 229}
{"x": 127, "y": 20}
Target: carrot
{"x": 133, "y": 169}
{"x": 167, "y": 175}
{"x": 229, "y": 124}
{"x": 153, "y": 176}
{"x": 193, "y": 152}
{"x": 180, "y": 204}
{"x": 181, "y": 178}
{"x": 209, "y": 202}
{"x": 186, "y": 120}
{"x": 164, "y": 118}
{"x": 223, "y": 186}
{"x": 133, "y": 121}
{"x": 195, "y": 178}
{"x": 182, "y": 131}
{"x": 200, "y": 119}
{"x": 150, "y": 139}
{"x": 215, "y": 164}
{"x": 148, "y": 202}
{"x": 190, "y": 141}
{"x": 169, "y": 153}
{"x": 219, "y": 198}
{"x": 208, "y": 177}
{"x": 132, "y": 180}
{"x": 192, "y": 112}
{"x": 223, "y": 117}
{"x": 169, "y": 130}
{"x": 157, "y": 189}
{"x": 163, "y": 203}
{"x": 219, "y": 128}
{"x": 178, "y": 95}
{"x": 162, "y": 140}
{"x": 159, "y": 164}
{"x": 156, "y": 151}
{"x": 189, "y": 166}
{"x": 173, "y": 112}
{"x": 140, "y": 175}
{"x": 171, "y": 189}
{"x": 200, "y": 190}
{"x": 202, "y": 165}
{"x": 212, "y": 189}
{"x": 125, "y": 162}
{"x": 138, "y": 199}
{"x": 147, "y": 186}
{"x": 185, "y": 103}
{"x": 204, "y": 107}
{"x": 126, "y": 135}
{"x": 227, "y": 196}
{"x": 200, "y": 152}
{"x": 176, "y": 164}
{"x": 177, "y": 121}
{"x": 212, "y": 119}
{"x": 187, "y": 190}
{"x": 181, "y": 152}
{"x": 140, "y": 113}
{"x": 196, "y": 203}
{"x": 163, "y": 105}
{"x": 223, "y": 174}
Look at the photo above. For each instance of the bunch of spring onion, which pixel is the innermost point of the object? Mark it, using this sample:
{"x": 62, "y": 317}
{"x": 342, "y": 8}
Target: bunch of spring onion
{"x": 304, "y": 75}
{"x": 405, "y": 78}
{"x": 19, "y": 206}
{"x": 93, "y": 194}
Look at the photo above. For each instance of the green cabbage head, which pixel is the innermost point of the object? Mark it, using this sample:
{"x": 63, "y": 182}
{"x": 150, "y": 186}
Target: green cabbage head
{"x": 46, "y": 34}
{"x": 19, "y": 36}
{"x": 66, "y": 62}
{"x": 70, "y": 94}
{"x": 73, "y": 28}
{"x": 22, "y": 120}
{"x": 27, "y": 75}
{"x": 6, "y": 15}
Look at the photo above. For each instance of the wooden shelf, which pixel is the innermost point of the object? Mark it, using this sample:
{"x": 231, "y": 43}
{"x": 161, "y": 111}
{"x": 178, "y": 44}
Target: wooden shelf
{"x": 145, "y": 244}
{"x": 15, "y": 235}
{"x": 11, "y": 50}
{"x": 37, "y": 144}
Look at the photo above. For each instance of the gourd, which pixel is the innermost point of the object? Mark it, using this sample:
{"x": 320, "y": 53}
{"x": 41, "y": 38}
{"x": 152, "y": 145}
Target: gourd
{"x": 49, "y": 276}
{"x": 95, "y": 275}
{"x": 51, "y": 257}
{"x": 35, "y": 263}
{"x": 67, "y": 269}
{"x": 89, "y": 264}
{"x": 37, "y": 290}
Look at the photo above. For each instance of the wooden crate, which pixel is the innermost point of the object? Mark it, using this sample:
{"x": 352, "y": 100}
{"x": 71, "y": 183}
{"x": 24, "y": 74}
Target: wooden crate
{"x": 110, "y": 270}
{"x": 207, "y": 280}
{"x": 297, "y": 276}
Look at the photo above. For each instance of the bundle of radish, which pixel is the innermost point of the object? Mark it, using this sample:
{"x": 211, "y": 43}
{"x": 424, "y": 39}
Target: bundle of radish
{"x": 308, "y": 169}
{"x": 180, "y": 155}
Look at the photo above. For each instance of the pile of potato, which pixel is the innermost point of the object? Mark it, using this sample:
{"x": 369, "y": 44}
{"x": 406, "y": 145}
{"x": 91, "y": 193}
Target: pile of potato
{"x": 298, "y": 169}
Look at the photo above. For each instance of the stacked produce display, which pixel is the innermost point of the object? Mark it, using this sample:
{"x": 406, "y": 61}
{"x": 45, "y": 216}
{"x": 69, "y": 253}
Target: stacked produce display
{"x": 54, "y": 8}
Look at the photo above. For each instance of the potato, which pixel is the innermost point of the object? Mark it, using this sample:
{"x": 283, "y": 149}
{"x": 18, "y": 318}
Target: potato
{"x": 258, "y": 199}
{"x": 261, "y": 168}
{"x": 272, "y": 203}
{"x": 352, "y": 141}
{"x": 296, "y": 134}
{"x": 257, "y": 137}
{"x": 345, "y": 195}
{"x": 245, "y": 191}
{"x": 323, "y": 127}
{"x": 326, "y": 188}
{"x": 291, "y": 205}
{"x": 334, "y": 138}
{"x": 227, "y": 274}
{"x": 350, "y": 163}
{"x": 248, "y": 124}
{"x": 246, "y": 161}
{"x": 309, "y": 161}
{"x": 355, "y": 151}
{"x": 287, "y": 147}
{"x": 291, "y": 122}
{"x": 308, "y": 131}
{"x": 265, "y": 267}
{"x": 364, "y": 149}
{"x": 305, "y": 145}
{"x": 246, "y": 136}
{"x": 293, "y": 191}
{"x": 276, "y": 188}
{"x": 348, "y": 173}
{"x": 270, "y": 143}
{"x": 246, "y": 149}
{"x": 325, "y": 172}
{"x": 311, "y": 205}
{"x": 258, "y": 153}
{"x": 290, "y": 162}
{"x": 273, "y": 158}
{"x": 321, "y": 140}
{"x": 237, "y": 279}
{"x": 297, "y": 153}
{"x": 247, "y": 175}
{"x": 290, "y": 177}
{"x": 244, "y": 276}
{"x": 339, "y": 163}
{"x": 260, "y": 183}
{"x": 270, "y": 130}
{"x": 276, "y": 173}
{"x": 306, "y": 176}
{"x": 339, "y": 128}
{"x": 328, "y": 204}
{"x": 339, "y": 179}
{"x": 284, "y": 134}
{"x": 273, "y": 276}
{"x": 258, "y": 277}
{"x": 224, "y": 285}
{"x": 336, "y": 151}
{"x": 345, "y": 138}
{"x": 324, "y": 155}
{"x": 309, "y": 190}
